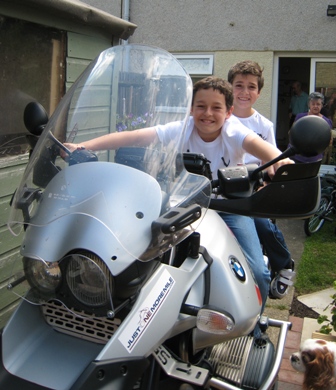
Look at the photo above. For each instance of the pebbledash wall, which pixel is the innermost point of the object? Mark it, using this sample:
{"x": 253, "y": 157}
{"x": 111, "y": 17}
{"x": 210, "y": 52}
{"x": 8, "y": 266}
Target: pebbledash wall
{"x": 286, "y": 37}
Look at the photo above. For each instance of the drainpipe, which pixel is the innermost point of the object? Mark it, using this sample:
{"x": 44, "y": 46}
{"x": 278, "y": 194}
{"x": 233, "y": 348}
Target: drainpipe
{"x": 125, "y": 14}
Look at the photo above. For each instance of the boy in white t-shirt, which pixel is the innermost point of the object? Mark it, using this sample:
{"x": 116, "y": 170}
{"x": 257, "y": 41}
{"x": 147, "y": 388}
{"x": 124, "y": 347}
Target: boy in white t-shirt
{"x": 247, "y": 80}
{"x": 213, "y": 131}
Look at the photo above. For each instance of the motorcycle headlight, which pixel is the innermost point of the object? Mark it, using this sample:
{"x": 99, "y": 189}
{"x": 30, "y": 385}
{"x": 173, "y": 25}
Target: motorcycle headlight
{"x": 89, "y": 280}
{"x": 46, "y": 277}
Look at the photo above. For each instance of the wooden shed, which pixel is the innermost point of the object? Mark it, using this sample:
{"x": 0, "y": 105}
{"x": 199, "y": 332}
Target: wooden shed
{"x": 45, "y": 45}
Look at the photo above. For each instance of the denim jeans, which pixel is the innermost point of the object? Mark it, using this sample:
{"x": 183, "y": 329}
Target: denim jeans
{"x": 274, "y": 244}
{"x": 245, "y": 231}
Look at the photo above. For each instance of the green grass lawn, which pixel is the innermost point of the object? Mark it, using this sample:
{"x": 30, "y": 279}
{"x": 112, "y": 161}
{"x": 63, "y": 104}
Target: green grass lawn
{"x": 317, "y": 268}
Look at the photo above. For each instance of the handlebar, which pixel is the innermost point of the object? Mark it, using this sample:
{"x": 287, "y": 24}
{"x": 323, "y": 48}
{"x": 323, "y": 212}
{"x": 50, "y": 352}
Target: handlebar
{"x": 248, "y": 189}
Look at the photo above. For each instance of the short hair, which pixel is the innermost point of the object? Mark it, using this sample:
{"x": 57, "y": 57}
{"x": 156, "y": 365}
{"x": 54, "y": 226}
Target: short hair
{"x": 245, "y": 68}
{"x": 315, "y": 96}
{"x": 217, "y": 84}
{"x": 298, "y": 83}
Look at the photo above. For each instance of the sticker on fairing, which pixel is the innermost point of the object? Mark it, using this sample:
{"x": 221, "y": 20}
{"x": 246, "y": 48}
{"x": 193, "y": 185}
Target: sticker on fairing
{"x": 140, "y": 321}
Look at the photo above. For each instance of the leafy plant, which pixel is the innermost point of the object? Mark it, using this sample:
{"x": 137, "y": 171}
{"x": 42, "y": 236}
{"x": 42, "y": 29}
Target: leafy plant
{"x": 132, "y": 122}
{"x": 330, "y": 324}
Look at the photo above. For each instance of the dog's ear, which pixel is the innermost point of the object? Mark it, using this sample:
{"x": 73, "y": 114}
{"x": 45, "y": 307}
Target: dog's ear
{"x": 319, "y": 373}
{"x": 308, "y": 356}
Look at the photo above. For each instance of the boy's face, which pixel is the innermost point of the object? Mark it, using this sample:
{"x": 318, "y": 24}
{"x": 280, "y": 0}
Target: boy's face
{"x": 245, "y": 92}
{"x": 209, "y": 112}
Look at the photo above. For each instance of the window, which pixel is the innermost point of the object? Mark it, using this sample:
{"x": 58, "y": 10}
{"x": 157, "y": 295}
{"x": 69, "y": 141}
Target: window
{"x": 196, "y": 64}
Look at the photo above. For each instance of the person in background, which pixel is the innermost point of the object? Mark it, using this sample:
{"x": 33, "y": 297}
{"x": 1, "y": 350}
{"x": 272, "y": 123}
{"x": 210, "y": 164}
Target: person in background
{"x": 298, "y": 103}
{"x": 315, "y": 104}
{"x": 247, "y": 80}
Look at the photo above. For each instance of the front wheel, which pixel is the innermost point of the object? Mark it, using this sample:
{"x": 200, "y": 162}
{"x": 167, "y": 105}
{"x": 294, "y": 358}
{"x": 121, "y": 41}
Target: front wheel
{"x": 315, "y": 223}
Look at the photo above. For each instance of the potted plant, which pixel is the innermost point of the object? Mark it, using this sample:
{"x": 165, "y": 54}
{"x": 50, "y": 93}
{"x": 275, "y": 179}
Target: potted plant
{"x": 327, "y": 322}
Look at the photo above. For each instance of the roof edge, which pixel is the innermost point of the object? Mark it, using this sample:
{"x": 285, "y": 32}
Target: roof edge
{"x": 77, "y": 12}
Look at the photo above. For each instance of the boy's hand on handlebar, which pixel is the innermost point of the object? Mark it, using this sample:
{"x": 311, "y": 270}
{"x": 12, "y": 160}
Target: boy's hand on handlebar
{"x": 273, "y": 168}
{"x": 71, "y": 148}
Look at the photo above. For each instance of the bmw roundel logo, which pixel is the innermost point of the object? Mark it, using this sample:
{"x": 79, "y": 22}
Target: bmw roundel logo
{"x": 237, "y": 268}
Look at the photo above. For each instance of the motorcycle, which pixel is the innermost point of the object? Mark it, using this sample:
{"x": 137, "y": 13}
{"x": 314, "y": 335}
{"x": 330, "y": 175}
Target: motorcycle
{"x": 129, "y": 279}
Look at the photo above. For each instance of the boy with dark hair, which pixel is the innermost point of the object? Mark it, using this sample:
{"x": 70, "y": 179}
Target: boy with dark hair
{"x": 212, "y": 131}
{"x": 247, "y": 80}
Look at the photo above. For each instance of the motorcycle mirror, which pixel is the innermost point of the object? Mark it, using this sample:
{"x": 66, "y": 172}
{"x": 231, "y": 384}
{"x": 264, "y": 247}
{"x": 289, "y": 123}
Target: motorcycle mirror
{"x": 35, "y": 118}
{"x": 310, "y": 135}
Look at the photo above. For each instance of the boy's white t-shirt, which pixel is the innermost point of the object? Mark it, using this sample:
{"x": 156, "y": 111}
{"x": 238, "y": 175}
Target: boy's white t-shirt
{"x": 262, "y": 127}
{"x": 226, "y": 150}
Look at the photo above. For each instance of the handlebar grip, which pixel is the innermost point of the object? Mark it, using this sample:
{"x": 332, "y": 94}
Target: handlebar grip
{"x": 266, "y": 177}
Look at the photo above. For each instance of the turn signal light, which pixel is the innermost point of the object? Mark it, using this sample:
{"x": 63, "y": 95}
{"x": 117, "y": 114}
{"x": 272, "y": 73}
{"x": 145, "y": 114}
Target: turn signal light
{"x": 214, "y": 321}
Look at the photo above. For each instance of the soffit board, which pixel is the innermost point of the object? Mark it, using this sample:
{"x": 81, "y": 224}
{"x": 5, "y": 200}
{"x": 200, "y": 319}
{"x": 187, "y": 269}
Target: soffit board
{"x": 71, "y": 15}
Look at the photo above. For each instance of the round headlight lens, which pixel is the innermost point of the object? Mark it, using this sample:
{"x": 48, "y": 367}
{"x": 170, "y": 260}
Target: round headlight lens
{"x": 46, "y": 277}
{"x": 89, "y": 280}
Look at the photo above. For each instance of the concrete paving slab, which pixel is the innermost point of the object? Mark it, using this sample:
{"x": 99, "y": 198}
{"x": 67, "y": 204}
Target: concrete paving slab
{"x": 318, "y": 301}
{"x": 310, "y": 325}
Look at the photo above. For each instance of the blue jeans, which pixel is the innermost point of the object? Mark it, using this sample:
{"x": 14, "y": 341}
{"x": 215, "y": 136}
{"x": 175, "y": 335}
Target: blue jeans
{"x": 245, "y": 231}
{"x": 274, "y": 244}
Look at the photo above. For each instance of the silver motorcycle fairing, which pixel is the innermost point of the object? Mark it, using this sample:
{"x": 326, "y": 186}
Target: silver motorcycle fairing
{"x": 155, "y": 312}
{"x": 234, "y": 293}
{"x": 34, "y": 351}
{"x": 85, "y": 207}
{"x": 228, "y": 290}
{"x": 139, "y": 336}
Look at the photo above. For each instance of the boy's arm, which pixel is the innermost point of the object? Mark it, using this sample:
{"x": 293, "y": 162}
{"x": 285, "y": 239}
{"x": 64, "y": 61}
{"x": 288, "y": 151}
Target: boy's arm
{"x": 271, "y": 136}
{"x": 141, "y": 137}
{"x": 264, "y": 151}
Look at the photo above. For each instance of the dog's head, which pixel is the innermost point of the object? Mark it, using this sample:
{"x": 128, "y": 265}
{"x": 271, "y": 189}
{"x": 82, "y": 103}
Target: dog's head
{"x": 316, "y": 359}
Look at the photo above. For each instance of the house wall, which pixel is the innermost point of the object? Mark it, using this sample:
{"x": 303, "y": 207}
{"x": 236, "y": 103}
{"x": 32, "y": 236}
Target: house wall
{"x": 263, "y": 30}
{"x": 214, "y": 25}
{"x": 224, "y": 59}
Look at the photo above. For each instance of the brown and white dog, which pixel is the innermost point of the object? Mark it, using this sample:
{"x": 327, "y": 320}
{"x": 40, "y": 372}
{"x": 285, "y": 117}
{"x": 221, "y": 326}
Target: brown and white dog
{"x": 316, "y": 359}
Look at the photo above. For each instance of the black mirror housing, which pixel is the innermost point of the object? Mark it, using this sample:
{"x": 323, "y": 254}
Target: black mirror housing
{"x": 35, "y": 118}
{"x": 310, "y": 135}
